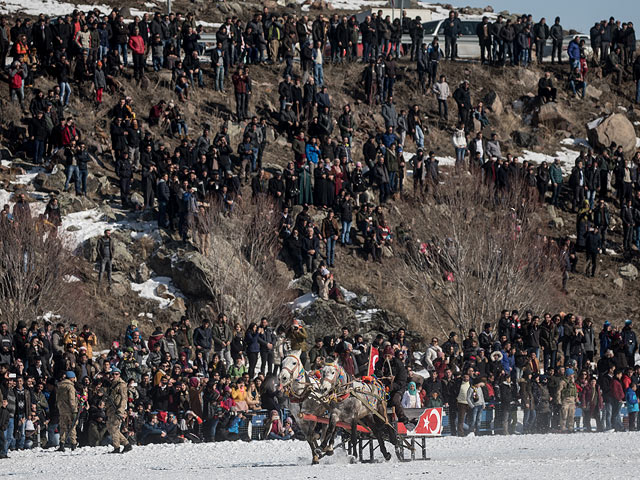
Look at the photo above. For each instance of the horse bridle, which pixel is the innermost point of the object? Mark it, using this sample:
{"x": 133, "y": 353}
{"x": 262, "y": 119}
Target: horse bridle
{"x": 288, "y": 390}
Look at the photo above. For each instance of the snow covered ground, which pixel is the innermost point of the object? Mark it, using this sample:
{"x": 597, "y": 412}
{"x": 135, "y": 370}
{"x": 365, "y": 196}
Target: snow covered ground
{"x": 48, "y": 7}
{"x": 159, "y": 289}
{"x": 610, "y": 455}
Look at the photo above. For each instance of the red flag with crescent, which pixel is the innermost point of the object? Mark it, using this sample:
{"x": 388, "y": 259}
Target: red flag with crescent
{"x": 373, "y": 359}
{"x": 430, "y": 422}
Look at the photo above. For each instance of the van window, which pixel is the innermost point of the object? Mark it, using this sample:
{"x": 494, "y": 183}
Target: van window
{"x": 430, "y": 27}
{"x": 468, "y": 28}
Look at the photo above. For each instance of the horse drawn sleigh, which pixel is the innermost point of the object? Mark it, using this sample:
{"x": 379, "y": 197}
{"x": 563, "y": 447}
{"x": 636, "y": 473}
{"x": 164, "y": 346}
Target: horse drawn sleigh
{"x": 325, "y": 401}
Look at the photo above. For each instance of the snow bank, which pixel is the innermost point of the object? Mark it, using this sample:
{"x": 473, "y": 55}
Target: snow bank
{"x": 52, "y": 8}
{"x": 348, "y": 295}
{"x": 85, "y": 225}
{"x": 576, "y": 142}
{"x": 158, "y": 289}
{"x": 567, "y": 158}
{"x": 438, "y": 12}
{"x": 92, "y": 223}
{"x": 553, "y": 456}
{"x": 302, "y": 302}
{"x": 365, "y": 316}
{"x": 28, "y": 177}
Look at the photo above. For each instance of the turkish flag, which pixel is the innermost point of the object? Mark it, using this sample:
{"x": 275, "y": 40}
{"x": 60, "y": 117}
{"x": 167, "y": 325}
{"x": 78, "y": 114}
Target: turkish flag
{"x": 373, "y": 359}
{"x": 430, "y": 422}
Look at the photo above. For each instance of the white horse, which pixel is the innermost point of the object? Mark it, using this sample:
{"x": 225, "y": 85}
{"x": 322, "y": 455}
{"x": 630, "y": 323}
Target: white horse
{"x": 302, "y": 390}
{"x": 354, "y": 402}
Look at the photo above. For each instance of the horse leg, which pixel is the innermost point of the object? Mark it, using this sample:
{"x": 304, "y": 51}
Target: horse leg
{"x": 377, "y": 431}
{"x": 314, "y": 453}
{"x": 354, "y": 437}
{"x": 329, "y": 434}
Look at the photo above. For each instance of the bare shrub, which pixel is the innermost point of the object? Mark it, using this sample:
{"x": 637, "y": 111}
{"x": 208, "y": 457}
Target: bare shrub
{"x": 35, "y": 269}
{"x": 478, "y": 255}
{"x": 244, "y": 277}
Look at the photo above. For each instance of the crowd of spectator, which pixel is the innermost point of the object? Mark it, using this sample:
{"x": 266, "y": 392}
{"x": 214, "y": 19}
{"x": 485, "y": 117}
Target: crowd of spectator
{"x": 199, "y": 384}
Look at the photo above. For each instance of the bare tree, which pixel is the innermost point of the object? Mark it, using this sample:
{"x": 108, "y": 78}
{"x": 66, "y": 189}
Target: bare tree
{"x": 35, "y": 267}
{"x": 479, "y": 252}
{"x": 244, "y": 279}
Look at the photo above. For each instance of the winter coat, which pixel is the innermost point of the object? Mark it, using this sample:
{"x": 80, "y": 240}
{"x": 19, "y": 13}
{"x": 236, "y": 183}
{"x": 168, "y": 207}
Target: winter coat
{"x": 66, "y": 398}
{"x": 541, "y": 398}
{"x": 555, "y": 172}
{"x": 251, "y": 341}
{"x": 475, "y": 396}
{"x": 632, "y": 401}
{"x": 549, "y": 337}
{"x": 117, "y": 398}
{"x": 393, "y": 368}
{"x": 591, "y": 398}
{"x": 390, "y": 115}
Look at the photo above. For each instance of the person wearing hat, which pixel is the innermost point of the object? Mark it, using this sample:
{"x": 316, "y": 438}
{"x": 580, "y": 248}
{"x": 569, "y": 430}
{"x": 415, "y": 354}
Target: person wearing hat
{"x": 542, "y": 404}
{"x": 566, "y": 396}
{"x": 116, "y": 407}
{"x": 67, "y": 404}
{"x": 606, "y": 338}
{"x": 392, "y": 372}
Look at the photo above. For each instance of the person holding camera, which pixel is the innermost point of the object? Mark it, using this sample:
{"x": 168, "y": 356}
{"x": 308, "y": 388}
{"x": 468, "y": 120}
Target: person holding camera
{"x": 297, "y": 335}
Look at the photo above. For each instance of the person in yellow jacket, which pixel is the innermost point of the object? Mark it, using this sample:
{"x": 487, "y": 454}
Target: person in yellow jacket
{"x": 88, "y": 340}
{"x": 67, "y": 403}
{"x": 116, "y": 405}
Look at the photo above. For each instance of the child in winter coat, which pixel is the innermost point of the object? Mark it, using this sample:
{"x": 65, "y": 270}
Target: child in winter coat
{"x": 632, "y": 406}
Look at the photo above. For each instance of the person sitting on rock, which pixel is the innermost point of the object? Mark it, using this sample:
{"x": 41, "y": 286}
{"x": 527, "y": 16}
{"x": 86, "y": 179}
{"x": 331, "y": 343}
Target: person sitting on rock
{"x": 546, "y": 90}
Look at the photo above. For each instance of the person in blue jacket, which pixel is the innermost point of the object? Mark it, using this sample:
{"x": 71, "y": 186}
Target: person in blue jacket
{"x": 152, "y": 431}
{"x": 632, "y": 407}
{"x": 573, "y": 50}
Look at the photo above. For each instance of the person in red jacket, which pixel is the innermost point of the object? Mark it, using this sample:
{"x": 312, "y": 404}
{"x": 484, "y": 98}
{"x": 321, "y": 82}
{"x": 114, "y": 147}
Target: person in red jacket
{"x": 17, "y": 74}
{"x": 69, "y": 133}
{"x": 136, "y": 44}
{"x": 617, "y": 394}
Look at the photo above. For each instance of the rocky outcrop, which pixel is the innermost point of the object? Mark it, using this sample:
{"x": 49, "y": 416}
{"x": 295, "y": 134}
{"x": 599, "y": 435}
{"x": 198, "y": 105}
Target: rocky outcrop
{"x": 524, "y": 139}
{"x": 614, "y": 128}
{"x": 192, "y": 275}
{"x": 552, "y": 115}
{"x": 629, "y": 271}
{"x": 359, "y": 313}
{"x": 493, "y": 102}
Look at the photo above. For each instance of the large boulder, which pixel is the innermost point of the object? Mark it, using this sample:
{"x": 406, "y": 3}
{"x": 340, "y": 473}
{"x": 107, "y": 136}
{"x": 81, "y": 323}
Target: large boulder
{"x": 614, "y": 128}
{"x": 104, "y": 187}
{"x": 552, "y": 115}
{"x": 192, "y": 275}
{"x": 328, "y": 316}
{"x": 71, "y": 203}
{"x": 628, "y": 271}
{"x": 524, "y": 139}
{"x": 161, "y": 262}
{"x": 51, "y": 182}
